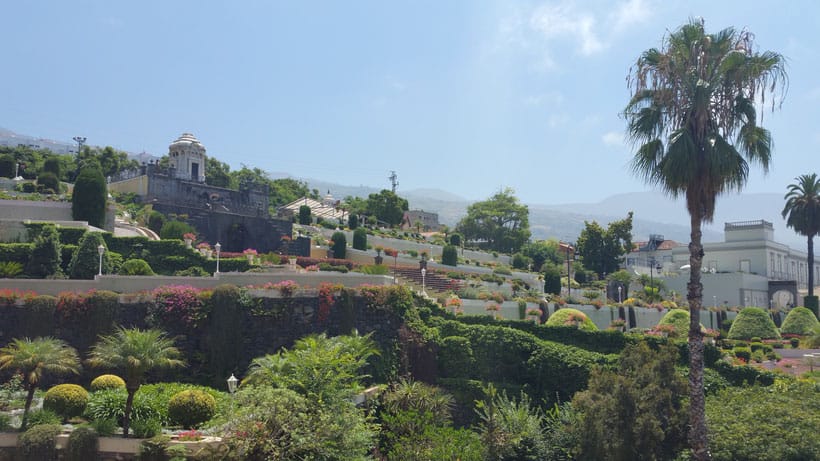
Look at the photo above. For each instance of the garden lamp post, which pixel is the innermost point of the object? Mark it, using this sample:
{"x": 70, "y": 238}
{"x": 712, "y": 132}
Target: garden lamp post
{"x": 232, "y": 382}
{"x": 100, "y": 250}
{"x": 620, "y": 290}
{"x": 423, "y": 275}
{"x": 218, "y": 248}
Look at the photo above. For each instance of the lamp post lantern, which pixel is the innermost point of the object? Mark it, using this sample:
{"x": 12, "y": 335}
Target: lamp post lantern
{"x": 232, "y": 382}
{"x": 218, "y": 248}
{"x": 100, "y": 250}
{"x": 423, "y": 276}
{"x": 620, "y": 290}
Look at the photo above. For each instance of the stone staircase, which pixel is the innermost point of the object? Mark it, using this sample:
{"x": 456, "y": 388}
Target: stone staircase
{"x": 434, "y": 281}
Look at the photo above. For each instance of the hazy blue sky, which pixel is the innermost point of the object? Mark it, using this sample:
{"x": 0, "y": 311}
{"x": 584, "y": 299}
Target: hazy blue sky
{"x": 466, "y": 96}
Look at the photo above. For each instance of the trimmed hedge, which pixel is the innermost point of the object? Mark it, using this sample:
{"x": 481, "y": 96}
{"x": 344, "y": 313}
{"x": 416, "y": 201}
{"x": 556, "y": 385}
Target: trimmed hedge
{"x": 572, "y": 318}
{"x": 16, "y": 252}
{"x": 191, "y": 408}
{"x": 67, "y": 400}
{"x": 360, "y": 239}
{"x": 103, "y": 382}
{"x": 83, "y": 444}
{"x": 753, "y": 322}
{"x": 39, "y": 443}
{"x": 799, "y": 321}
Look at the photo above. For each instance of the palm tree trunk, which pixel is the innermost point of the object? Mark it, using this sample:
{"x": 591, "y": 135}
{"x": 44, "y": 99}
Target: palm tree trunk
{"x": 810, "y": 261}
{"x": 29, "y": 399}
{"x": 697, "y": 402}
{"x": 126, "y": 420}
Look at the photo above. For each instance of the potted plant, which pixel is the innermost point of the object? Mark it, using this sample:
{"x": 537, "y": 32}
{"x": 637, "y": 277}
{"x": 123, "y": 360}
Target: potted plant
{"x": 188, "y": 237}
{"x": 250, "y": 253}
{"x": 378, "y": 259}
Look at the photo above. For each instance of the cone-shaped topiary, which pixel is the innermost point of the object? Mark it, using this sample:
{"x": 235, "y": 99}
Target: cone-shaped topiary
{"x": 800, "y": 321}
{"x": 753, "y": 322}
{"x": 104, "y": 382}
{"x": 191, "y": 408}
{"x": 67, "y": 400}
{"x": 571, "y": 317}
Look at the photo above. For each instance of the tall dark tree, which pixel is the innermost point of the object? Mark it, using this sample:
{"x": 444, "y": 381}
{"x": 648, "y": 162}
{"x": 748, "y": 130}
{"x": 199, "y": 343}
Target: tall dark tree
{"x": 802, "y": 213}
{"x": 500, "y": 223}
{"x": 387, "y": 207}
{"x": 90, "y": 196}
{"x": 601, "y": 249}
{"x": 693, "y": 118}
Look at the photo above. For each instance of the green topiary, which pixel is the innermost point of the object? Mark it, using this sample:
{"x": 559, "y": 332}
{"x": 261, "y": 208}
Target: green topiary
{"x": 571, "y": 317}
{"x": 85, "y": 261}
{"x": 353, "y": 221}
{"x": 103, "y": 382}
{"x": 39, "y": 443}
{"x": 48, "y": 182}
{"x": 46, "y": 256}
{"x": 135, "y": 267}
{"x": 339, "y": 245}
{"x": 52, "y": 165}
{"x": 83, "y": 444}
{"x": 552, "y": 279}
{"x": 455, "y": 240}
{"x": 449, "y": 255}
{"x": 751, "y": 322}
{"x": 89, "y": 198}
{"x": 800, "y": 321}
{"x": 66, "y": 400}
{"x": 360, "y": 239}
{"x": 304, "y": 215}
{"x": 7, "y": 166}
{"x": 678, "y": 318}
{"x": 191, "y": 408}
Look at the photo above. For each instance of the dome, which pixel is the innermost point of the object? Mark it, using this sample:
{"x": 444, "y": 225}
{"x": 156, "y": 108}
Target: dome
{"x": 187, "y": 139}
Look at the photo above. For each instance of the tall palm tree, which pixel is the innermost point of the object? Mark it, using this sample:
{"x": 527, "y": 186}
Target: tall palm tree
{"x": 802, "y": 213}
{"x": 134, "y": 352}
{"x": 693, "y": 119}
{"x": 34, "y": 358}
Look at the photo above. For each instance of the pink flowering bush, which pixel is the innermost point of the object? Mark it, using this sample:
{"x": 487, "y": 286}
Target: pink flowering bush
{"x": 249, "y": 251}
{"x": 180, "y": 306}
{"x": 286, "y": 288}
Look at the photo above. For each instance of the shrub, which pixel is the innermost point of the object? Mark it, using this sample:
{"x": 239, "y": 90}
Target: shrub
{"x": 743, "y": 353}
{"x": 339, "y": 245}
{"x": 191, "y": 408}
{"x": 105, "y": 427}
{"x": 571, "y": 318}
{"x": 552, "y": 279}
{"x": 85, "y": 261}
{"x": 449, "y": 255}
{"x": 66, "y": 400}
{"x": 360, "y": 239}
{"x": 799, "y": 321}
{"x": 455, "y": 357}
{"x": 751, "y": 322}
{"x": 104, "y": 382}
{"x": 7, "y": 166}
{"x": 46, "y": 256}
{"x": 175, "y": 230}
{"x": 42, "y": 416}
{"x": 52, "y": 165}
{"x": 519, "y": 261}
{"x": 154, "y": 449}
{"x": 177, "y": 308}
{"x": 10, "y": 269}
{"x": 353, "y": 221}
{"x": 135, "y": 267}
{"x": 48, "y": 181}
{"x": 146, "y": 428}
{"x": 155, "y": 221}
{"x": 89, "y": 197}
{"x": 83, "y": 444}
{"x": 304, "y": 215}
{"x": 679, "y": 319}
{"x": 193, "y": 271}
{"x": 39, "y": 443}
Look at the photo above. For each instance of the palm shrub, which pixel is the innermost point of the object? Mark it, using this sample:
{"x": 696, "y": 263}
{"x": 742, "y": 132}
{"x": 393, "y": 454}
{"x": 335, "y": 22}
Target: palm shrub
{"x": 83, "y": 444}
{"x": 89, "y": 198}
{"x": 359, "y": 239}
{"x": 85, "y": 261}
{"x": 753, "y": 322}
{"x": 799, "y": 321}
{"x": 449, "y": 255}
{"x": 66, "y": 400}
{"x": 39, "y": 443}
{"x": 339, "y": 245}
{"x": 46, "y": 256}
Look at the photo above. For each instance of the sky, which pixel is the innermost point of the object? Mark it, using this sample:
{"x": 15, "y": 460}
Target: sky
{"x": 465, "y": 96}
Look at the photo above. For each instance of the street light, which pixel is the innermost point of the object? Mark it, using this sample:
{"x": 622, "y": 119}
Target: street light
{"x": 232, "y": 382}
{"x": 714, "y": 301}
{"x": 620, "y": 289}
{"x": 652, "y": 267}
{"x": 80, "y": 140}
{"x": 218, "y": 248}
{"x": 100, "y": 250}
{"x": 569, "y": 272}
{"x": 423, "y": 276}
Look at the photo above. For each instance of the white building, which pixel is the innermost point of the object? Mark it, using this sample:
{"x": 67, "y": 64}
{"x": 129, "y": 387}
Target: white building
{"x": 748, "y": 268}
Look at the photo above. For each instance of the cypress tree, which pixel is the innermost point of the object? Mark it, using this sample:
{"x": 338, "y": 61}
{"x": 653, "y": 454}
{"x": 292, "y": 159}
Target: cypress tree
{"x": 90, "y": 197}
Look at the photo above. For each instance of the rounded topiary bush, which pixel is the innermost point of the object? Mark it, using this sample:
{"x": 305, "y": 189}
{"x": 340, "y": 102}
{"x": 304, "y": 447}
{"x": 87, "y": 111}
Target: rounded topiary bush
{"x": 103, "y": 382}
{"x": 679, "y": 319}
{"x": 571, "y": 317}
{"x": 67, "y": 400}
{"x": 191, "y": 408}
{"x": 83, "y": 444}
{"x": 753, "y": 322}
{"x": 800, "y": 321}
{"x": 136, "y": 267}
{"x": 39, "y": 443}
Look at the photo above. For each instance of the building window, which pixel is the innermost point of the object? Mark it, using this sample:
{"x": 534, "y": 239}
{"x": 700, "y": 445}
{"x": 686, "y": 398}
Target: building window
{"x": 771, "y": 262}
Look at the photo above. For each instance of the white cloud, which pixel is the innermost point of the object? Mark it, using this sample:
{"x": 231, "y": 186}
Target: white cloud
{"x": 630, "y": 13}
{"x": 561, "y": 21}
{"x": 613, "y": 139}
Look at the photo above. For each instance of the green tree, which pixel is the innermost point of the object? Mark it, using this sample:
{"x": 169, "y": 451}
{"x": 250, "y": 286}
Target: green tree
{"x": 218, "y": 173}
{"x": 353, "y": 221}
{"x": 286, "y": 190}
{"x": 601, "y": 249}
{"x": 304, "y": 215}
{"x": 113, "y": 161}
{"x": 85, "y": 262}
{"x": 134, "y": 352}
{"x": 174, "y": 229}
{"x": 387, "y": 207}
{"x": 35, "y": 358}
{"x": 48, "y": 181}
{"x": 360, "y": 239}
{"x": 449, "y": 255}
{"x": 339, "y": 245}
{"x": 635, "y": 413}
{"x": 500, "y": 223}
{"x": 46, "y": 256}
{"x": 542, "y": 251}
{"x": 693, "y": 119}
{"x": 552, "y": 278}
{"x": 7, "y": 166}
{"x": 802, "y": 213}
{"x": 52, "y": 164}
{"x": 90, "y": 197}
{"x": 511, "y": 429}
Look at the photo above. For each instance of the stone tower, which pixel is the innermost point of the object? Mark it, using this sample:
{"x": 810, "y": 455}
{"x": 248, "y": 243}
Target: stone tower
{"x": 187, "y": 156}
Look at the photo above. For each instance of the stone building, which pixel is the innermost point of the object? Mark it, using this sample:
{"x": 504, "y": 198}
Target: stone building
{"x": 237, "y": 219}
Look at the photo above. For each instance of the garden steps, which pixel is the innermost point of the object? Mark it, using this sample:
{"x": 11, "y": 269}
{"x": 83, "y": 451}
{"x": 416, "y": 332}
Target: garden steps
{"x": 433, "y": 280}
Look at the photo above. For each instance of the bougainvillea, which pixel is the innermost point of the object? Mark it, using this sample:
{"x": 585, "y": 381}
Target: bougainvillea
{"x": 9, "y": 296}
{"x": 286, "y": 288}
{"x": 181, "y": 306}
{"x": 326, "y": 291}
{"x": 71, "y": 305}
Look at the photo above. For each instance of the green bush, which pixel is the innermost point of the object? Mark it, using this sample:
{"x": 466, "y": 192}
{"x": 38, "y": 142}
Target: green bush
{"x": 88, "y": 201}
{"x": 191, "y": 408}
{"x": 679, "y": 319}
{"x": 193, "y": 271}
{"x": 743, "y": 353}
{"x": 10, "y": 269}
{"x": 66, "y": 400}
{"x": 135, "y": 267}
{"x": 83, "y": 444}
{"x": 304, "y": 215}
{"x": 175, "y": 230}
{"x": 552, "y": 279}
{"x": 46, "y": 256}
{"x": 39, "y": 443}
{"x": 48, "y": 182}
{"x": 449, "y": 255}
{"x": 85, "y": 261}
{"x": 155, "y": 221}
{"x": 154, "y": 449}
{"x": 519, "y": 261}
{"x": 42, "y": 416}
{"x": 104, "y": 382}
{"x": 15, "y": 252}
{"x": 799, "y": 321}
{"x": 146, "y": 428}
{"x": 353, "y": 221}
{"x": 360, "y": 239}
{"x": 339, "y": 245}
{"x": 572, "y": 318}
{"x": 751, "y": 322}
{"x": 52, "y": 165}
{"x": 105, "y": 427}
{"x": 455, "y": 357}
{"x": 7, "y": 166}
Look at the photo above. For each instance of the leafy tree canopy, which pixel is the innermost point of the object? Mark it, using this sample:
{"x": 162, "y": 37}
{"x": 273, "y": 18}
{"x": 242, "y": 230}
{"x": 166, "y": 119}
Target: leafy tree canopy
{"x": 542, "y": 251}
{"x": 500, "y": 223}
{"x": 386, "y": 206}
{"x": 601, "y": 249}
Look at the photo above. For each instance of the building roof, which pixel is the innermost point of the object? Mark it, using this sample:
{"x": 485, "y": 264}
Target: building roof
{"x": 317, "y": 209}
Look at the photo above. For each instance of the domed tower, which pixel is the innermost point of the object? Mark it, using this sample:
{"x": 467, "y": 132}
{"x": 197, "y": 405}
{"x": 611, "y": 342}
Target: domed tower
{"x": 188, "y": 157}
